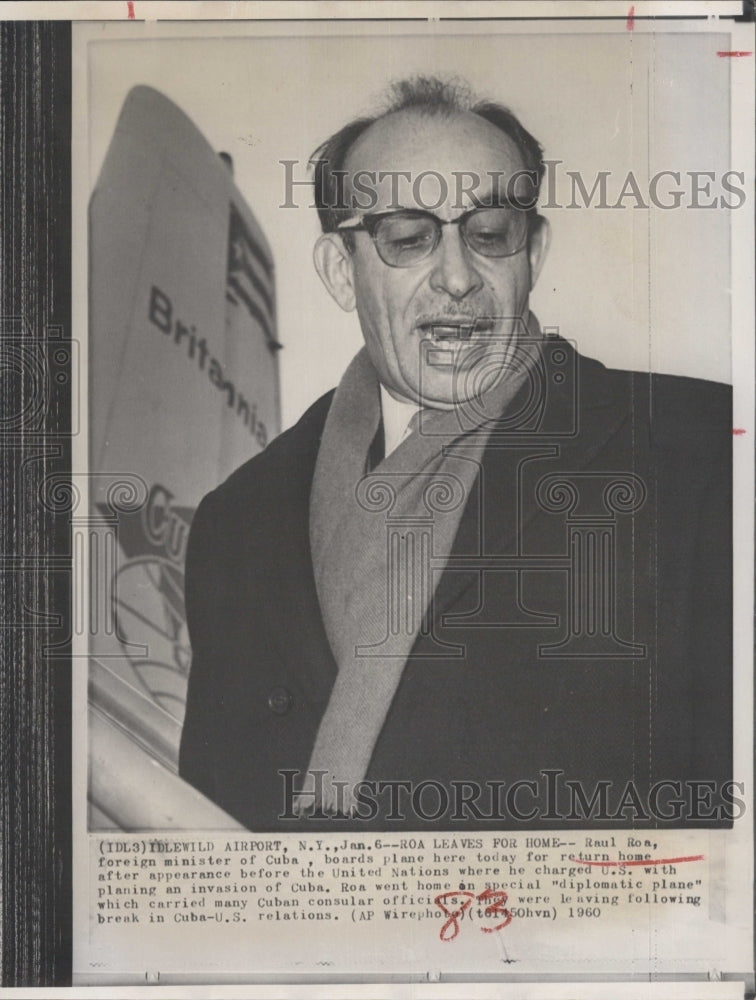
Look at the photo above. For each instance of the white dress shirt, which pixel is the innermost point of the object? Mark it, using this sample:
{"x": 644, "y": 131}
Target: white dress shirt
{"x": 396, "y": 419}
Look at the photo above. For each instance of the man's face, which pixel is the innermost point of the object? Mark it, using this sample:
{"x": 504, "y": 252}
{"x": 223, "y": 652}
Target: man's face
{"x": 410, "y": 315}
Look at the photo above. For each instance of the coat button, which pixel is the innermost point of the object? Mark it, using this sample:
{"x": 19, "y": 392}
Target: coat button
{"x": 279, "y": 700}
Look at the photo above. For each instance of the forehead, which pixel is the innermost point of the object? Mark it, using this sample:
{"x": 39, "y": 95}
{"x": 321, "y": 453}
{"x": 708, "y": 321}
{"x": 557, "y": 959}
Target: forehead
{"x": 455, "y": 145}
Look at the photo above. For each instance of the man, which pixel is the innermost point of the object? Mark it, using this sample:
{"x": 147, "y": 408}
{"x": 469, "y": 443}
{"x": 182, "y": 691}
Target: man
{"x": 487, "y": 581}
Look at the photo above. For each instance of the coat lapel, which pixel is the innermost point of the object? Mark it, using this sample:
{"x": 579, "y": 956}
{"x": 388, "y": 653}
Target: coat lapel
{"x": 499, "y": 509}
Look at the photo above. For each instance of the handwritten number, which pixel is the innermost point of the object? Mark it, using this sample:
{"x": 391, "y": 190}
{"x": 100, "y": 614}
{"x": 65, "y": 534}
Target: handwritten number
{"x": 494, "y": 900}
{"x": 495, "y": 909}
{"x": 453, "y": 915}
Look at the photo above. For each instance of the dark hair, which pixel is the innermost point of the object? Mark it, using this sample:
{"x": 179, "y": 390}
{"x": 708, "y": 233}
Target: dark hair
{"x": 430, "y": 96}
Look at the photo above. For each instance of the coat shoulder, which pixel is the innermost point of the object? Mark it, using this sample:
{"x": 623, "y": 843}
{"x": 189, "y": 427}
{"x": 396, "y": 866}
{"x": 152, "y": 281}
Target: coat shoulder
{"x": 697, "y": 403}
{"x": 693, "y": 412}
{"x": 676, "y": 393}
{"x": 284, "y": 456}
{"x": 691, "y": 421}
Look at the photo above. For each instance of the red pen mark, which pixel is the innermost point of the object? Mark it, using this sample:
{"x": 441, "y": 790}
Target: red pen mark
{"x": 130, "y": 7}
{"x": 453, "y": 915}
{"x": 494, "y": 900}
{"x": 631, "y": 19}
{"x": 738, "y": 430}
{"x": 731, "y": 55}
{"x": 648, "y": 862}
{"x": 495, "y": 909}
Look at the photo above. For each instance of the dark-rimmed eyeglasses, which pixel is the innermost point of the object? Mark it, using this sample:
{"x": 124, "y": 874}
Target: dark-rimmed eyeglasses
{"x": 407, "y": 237}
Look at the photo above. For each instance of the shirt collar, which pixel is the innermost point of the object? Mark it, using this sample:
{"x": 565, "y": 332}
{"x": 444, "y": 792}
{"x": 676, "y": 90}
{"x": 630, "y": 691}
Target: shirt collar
{"x": 396, "y": 417}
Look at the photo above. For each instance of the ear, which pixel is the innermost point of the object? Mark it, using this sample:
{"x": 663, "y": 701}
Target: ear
{"x": 334, "y": 265}
{"x": 538, "y": 247}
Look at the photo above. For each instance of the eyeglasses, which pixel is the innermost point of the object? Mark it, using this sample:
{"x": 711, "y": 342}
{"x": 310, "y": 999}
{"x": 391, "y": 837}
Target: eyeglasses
{"x": 409, "y": 236}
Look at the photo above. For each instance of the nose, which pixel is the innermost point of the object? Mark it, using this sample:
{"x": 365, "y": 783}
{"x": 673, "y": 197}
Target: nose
{"x": 454, "y": 271}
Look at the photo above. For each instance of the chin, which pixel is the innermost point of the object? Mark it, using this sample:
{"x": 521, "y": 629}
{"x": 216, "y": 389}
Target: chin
{"x": 437, "y": 393}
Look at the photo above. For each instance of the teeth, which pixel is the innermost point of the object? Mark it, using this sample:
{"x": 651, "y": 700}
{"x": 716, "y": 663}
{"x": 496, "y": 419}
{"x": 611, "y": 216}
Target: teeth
{"x": 451, "y": 332}
{"x": 438, "y": 332}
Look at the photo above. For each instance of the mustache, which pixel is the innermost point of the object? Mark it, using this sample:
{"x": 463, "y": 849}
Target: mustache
{"x": 469, "y": 311}
{"x": 470, "y": 317}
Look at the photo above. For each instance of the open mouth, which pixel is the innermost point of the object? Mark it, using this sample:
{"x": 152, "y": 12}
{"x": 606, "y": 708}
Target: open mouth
{"x": 446, "y": 330}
